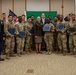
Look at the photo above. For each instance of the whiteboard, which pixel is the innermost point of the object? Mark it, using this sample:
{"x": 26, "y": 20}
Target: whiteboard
{"x": 37, "y": 5}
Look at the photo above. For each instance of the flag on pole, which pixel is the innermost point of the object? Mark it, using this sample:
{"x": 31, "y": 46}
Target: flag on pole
{"x": 12, "y": 13}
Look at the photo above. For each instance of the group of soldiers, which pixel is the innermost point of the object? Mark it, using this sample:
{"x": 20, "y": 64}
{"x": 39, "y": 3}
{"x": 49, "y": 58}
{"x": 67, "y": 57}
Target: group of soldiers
{"x": 61, "y": 41}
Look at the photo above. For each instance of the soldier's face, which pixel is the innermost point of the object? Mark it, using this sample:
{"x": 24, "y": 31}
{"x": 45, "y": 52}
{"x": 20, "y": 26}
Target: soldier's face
{"x": 32, "y": 17}
{"x": 55, "y": 19}
{"x": 14, "y": 18}
{"x": 10, "y": 18}
{"x": 29, "y": 20}
{"x": 4, "y": 15}
{"x": 23, "y": 17}
{"x": 73, "y": 18}
{"x": 61, "y": 18}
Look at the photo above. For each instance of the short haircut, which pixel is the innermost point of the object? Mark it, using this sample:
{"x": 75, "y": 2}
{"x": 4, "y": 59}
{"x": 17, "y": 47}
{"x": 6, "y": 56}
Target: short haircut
{"x": 3, "y": 13}
{"x": 23, "y": 15}
{"x": 10, "y": 15}
{"x": 38, "y": 17}
{"x": 28, "y": 17}
{"x": 15, "y": 16}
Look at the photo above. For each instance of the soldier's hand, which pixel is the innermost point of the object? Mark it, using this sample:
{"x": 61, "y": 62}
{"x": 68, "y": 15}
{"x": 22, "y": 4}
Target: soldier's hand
{"x": 12, "y": 35}
{"x": 30, "y": 34}
{"x": 67, "y": 31}
{"x": 3, "y": 38}
{"x": 35, "y": 36}
{"x": 58, "y": 30}
{"x": 62, "y": 31}
{"x": 71, "y": 33}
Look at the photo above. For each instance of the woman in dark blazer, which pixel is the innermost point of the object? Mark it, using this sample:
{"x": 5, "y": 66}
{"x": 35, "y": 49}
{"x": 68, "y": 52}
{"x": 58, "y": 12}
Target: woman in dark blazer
{"x": 38, "y": 32}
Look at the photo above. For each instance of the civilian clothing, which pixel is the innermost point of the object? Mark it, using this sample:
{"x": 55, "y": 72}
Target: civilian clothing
{"x": 43, "y": 21}
{"x": 38, "y": 39}
{"x": 38, "y": 29}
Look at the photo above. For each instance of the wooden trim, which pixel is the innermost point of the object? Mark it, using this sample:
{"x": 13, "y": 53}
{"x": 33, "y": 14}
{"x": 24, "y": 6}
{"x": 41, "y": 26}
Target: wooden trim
{"x": 0, "y": 9}
{"x": 13, "y": 5}
{"x": 0, "y": 6}
{"x": 74, "y": 7}
{"x": 25, "y": 5}
{"x": 49, "y": 5}
{"x": 62, "y": 7}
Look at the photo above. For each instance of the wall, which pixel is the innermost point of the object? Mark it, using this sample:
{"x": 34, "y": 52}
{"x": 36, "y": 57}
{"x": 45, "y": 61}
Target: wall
{"x": 6, "y": 5}
{"x": 19, "y": 6}
{"x": 68, "y": 6}
{"x": 37, "y": 5}
{"x": 0, "y": 8}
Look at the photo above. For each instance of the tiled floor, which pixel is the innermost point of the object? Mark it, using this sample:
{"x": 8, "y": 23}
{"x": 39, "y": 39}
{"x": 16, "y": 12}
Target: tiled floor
{"x": 39, "y": 64}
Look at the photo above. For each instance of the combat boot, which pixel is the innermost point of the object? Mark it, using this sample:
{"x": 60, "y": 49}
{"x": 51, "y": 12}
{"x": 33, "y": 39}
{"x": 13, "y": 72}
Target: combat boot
{"x": 12, "y": 55}
{"x": 50, "y": 52}
{"x": 47, "y": 52}
{"x": 19, "y": 54}
{"x": 64, "y": 53}
{"x": 7, "y": 56}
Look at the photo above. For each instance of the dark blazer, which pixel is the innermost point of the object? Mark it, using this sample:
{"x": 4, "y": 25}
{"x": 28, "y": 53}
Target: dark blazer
{"x": 38, "y": 29}
{"x": 44, "y": 21}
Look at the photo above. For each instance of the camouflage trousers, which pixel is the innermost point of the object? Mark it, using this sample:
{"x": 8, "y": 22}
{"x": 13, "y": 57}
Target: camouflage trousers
{"x": 62, "y": 42}
{"x": 72, "y": 43}
{"x": 20, "y": 44}
{"x": 55, "y": 43}
{"x": 48, "y": 37}
{"x": 10, "y": 43}
{"x": 28, "y": 43}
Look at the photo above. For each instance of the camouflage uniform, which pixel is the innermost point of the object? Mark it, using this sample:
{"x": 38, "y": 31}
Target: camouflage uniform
{"x": 62, "y": 39}
{"x": 24, "y": 22}
{"x": 19, "y": 40}
{"x": 72, "y": 38}
{"x": 48, "y": 37}
{"x": 9, "y": 42}
{"x": 55, "y": 36}
{"x": 15, "y": 48}
{"x": 28, "y": 27}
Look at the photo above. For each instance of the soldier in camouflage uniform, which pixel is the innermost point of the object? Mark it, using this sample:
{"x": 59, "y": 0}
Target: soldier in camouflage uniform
{"x": 62, "y": 39}
{"x": 23, "y": 22}
{"x": 72, "y": 36}
{"x": 14, "y": 22}
{"x": 48, "y": 37}
{"x": 19, "y": 40}
{"x": 55, "y": 34}
{"x": 9, "y": 38}
{"x": 28, "y": 28}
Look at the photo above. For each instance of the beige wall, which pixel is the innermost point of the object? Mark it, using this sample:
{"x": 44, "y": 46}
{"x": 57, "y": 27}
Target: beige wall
{"x": 6, "y": 5}
{"x": 0, "y": 8}
{"x": 19, "y": 7}
{"x": 55, "y": 5}
{"x": 68, "y": 6}
{"x": 37, "y": 5}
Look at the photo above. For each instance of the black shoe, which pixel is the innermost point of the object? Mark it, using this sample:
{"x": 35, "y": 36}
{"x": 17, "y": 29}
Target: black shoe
{"x": 40, "y": 52}
{"x": 1, "y": 59}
